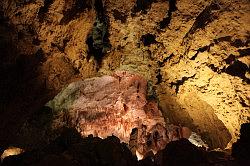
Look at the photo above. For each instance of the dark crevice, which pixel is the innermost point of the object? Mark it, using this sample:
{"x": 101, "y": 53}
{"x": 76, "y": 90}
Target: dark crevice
{"x": 119, "y": 47}
{"x": 138, "y": 88}
{"x": 2, "y": 18}
{"x": 40, "y": 55}
{"x": 24, "y": 32}
{"x": 214, "y": 68}
{"x": 244, "y": 52}
{"x": 178, "y": 83}
{"x": 43, "y": 10}
{"x": 151, "y": 91}
{"x": 230, "y": 59}
{"x": 166, "y": 21}
{"x": 172, "y": 5}
{"x": 243, "y": 103}
{"x": 235, "y": 43}
{"x": 248, "y": 41}
{"x": 18, "y": 14}
{"x": 20, "y": 3}
{"x": 195, "y": 56}
{"x": 141, "y": 6}
{"x": 61, "y": 45}
{"x": 161, "y": 64}
{"x": 125, "y": 107}
{"x": 202, "y": 49}
{"x": 239, "y": 69}
{"x": 158, "y": 77}
{"x": 97, "y": 40}
{"x": 148, "y": 39}
{"x": 238, "y": 43}
{"x": 74, "y": 12}
{"x": 65, "y": 41}
{"x": 120, "y": 16}
{"x": 134, "y": 131}
{"x": 222, "y": 39}
{"x": 236, "y": 68}
{"x": 203, "y": 19}
{"x": 36, "y": 41}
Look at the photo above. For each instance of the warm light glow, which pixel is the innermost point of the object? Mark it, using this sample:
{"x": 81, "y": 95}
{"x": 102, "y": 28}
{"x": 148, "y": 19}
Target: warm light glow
{"x": 11, "y": 151}
{"x": 138, "y": 155}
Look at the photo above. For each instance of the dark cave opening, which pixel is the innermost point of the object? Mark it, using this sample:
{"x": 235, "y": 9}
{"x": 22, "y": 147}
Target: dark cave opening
{"x": 148, "y": 39}
{"x": 166, "y": 21}
{"x": 141, "y": 6}
{"x": 120, "y": 16}
{"x": 43, "y": 10}
{"x": 239, "y": 69}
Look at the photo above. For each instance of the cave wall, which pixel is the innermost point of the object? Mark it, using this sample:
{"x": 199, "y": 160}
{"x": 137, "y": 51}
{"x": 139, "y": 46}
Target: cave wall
{"x": 195, "y": 53}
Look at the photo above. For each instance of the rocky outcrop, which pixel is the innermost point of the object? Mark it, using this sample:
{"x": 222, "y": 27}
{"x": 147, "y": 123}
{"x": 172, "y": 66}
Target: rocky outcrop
{"x": 115, "y": 105}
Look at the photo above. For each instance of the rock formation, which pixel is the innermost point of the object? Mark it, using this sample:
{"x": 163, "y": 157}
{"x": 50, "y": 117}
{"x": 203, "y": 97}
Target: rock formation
{"x": 194, "y": 54}
{"x": 116, "y": 105}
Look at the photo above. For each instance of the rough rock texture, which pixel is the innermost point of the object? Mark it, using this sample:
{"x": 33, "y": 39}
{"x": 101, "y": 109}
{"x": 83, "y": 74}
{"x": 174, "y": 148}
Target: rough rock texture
{"x": 115, "y": 105}
{"x": 108, "y": 105}
{"x": 192, "y": 54}
{"x": 195, "y": 53}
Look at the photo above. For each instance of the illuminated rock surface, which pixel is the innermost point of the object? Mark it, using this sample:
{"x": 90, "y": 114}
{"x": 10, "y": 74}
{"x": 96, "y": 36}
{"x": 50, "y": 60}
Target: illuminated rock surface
{"x": 115, "y": 105}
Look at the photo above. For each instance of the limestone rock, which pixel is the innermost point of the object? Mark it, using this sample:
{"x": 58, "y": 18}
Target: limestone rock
{"x": 113, "y": 105}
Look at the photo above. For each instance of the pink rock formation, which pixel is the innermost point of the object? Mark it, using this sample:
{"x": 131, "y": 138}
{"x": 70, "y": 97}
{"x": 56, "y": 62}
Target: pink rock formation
{"x": 114, "y": 105}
